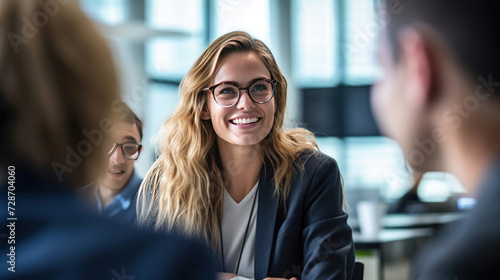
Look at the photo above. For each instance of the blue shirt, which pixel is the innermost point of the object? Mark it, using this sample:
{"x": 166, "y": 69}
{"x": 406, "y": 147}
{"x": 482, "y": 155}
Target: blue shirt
{"x": 123, "y": 207}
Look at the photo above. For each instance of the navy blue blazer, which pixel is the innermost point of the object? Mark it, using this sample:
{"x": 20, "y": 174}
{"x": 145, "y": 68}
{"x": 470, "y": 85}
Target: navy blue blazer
{"x": 469, "y": 248}
{"x": 309, "y": 237}
{"x": 54, "y": 237}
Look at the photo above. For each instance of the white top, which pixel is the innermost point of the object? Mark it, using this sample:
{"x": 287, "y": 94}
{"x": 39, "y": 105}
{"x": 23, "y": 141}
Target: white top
{"x": 234, "y": 225}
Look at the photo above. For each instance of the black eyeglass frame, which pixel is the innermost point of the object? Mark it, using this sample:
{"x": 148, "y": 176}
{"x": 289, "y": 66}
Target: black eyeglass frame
{"x": 212, "y": 89}
{"x": 115, "y": 145}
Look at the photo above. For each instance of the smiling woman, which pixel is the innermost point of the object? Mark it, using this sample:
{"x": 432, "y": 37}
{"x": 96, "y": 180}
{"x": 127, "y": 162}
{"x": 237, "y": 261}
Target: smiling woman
{"x": 238, "y": 118}
{"x": 265, "y": 199}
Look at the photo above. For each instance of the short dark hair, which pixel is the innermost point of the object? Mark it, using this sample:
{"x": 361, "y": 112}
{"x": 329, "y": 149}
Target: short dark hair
{"x": 470, "y": 28}
{"x": 124, "y": 113}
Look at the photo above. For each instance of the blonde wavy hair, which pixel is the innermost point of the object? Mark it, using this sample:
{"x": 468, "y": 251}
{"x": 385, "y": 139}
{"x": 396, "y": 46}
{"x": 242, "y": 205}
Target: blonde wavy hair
{"x": 183, "y": 191}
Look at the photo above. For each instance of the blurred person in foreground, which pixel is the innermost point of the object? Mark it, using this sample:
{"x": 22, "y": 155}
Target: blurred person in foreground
{"x": 439, "y": 98}
{"x": 57, "y": 86}
{"x": 114, "y": 194}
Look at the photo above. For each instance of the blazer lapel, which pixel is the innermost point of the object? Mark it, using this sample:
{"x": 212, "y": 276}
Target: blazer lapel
{"x": 266, "y": 221}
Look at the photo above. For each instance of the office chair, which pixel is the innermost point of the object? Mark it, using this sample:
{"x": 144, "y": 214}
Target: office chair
{"x": 358, "y": 272}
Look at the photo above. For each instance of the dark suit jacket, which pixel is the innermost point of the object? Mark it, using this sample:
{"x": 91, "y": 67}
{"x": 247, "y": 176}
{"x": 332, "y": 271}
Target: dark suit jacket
{"x": 470, "y": 248}
{"x": 56, "y": 238}
{"x": 309, "y": 238}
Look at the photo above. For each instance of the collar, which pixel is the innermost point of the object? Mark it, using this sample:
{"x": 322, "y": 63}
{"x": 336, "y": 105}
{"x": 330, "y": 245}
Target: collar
{"x": 122, "y": 200}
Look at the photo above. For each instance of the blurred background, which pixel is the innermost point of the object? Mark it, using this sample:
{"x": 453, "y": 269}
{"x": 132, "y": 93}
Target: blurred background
{"x": 325, "y": 48}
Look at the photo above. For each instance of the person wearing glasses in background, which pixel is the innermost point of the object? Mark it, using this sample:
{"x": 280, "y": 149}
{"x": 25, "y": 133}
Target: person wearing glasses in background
{"x": 439, "y": 98}
{"x": 113, "y": 195}
{"x": 265, "y": 199}
{"x": 57, "y": 87}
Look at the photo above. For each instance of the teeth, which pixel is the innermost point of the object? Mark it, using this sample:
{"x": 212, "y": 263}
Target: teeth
{"x": 245, "y": 120}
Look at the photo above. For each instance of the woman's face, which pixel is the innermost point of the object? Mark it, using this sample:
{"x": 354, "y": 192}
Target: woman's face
{"x": 245, "y": 123}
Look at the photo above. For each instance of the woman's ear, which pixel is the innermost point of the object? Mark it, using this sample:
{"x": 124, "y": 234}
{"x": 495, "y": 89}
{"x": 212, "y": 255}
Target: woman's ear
{"x": 205, "y": 114}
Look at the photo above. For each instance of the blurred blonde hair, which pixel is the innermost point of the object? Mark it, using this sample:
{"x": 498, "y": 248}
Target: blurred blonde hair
{"x": 183, "y": 190}
{"x": 56, "y": 79}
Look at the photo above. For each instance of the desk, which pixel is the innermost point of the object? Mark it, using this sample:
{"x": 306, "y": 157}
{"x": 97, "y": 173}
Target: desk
{"x": 420, "y": 220}
{"x": 396, "y": 228}
{"x": 369, "y": 249}
{"x": 431, "y": 220}
{"x": 389, "y": 235}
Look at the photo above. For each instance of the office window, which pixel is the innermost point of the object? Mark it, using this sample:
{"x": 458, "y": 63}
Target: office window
{"x": 171, "y": 57}
{"x": 333, "y": 147}
{"x": 168, "y": 58}
{"x": 110, "y": 12}
{"x": 378, "y": 163}
{"x": 334, "y": 42}
{"x": 362, "y": 26}
{"x": 314, "y": 43}
{"x": 439, "y": 186}
{"x": 252, "y": 16}
{"x": 375, "y": 163}
{"x": 160, "y": 103}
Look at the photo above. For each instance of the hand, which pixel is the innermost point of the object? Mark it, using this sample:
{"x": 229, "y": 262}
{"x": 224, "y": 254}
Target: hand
{"x": 293, "y": 278}
{"x": 225, "y": 276}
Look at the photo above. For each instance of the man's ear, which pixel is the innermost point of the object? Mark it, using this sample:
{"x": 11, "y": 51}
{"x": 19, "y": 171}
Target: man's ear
{"x": 418, "y": 66}
{"x": 205, "y": 114}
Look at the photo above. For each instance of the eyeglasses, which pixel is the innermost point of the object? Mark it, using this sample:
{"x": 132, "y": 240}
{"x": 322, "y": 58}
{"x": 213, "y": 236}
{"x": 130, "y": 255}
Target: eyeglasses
{"x": 227, "y": 94}
{"x": 129, "y": 150}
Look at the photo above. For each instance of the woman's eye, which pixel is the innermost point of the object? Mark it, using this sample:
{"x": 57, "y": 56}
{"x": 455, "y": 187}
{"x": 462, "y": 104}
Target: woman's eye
{"x": 259, "y": 87}
{"x": 227, "y": 91}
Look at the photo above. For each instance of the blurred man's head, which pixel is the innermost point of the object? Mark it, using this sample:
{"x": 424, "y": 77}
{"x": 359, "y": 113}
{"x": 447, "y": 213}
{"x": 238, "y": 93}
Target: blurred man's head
{"x": 439, "y": 60}
{"x": 123, "y": 150}
{"x": 57, "y": 81}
